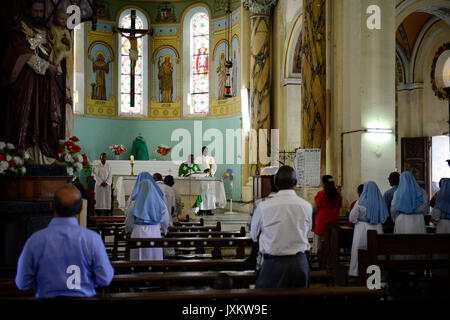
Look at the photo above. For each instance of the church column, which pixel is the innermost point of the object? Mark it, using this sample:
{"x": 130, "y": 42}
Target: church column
{"x": 260, "y": 76}
{"x": 314, "y": 77}
{"x": 366, "y": 51}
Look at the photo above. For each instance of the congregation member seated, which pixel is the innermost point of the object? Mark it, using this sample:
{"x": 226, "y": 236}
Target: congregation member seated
{"x": 327, "y": 204}
{"x": 146, "y": 215}
{"x": 440, "y": 214}
{"x": 64, "y": 259}
{"x": 281, "y": 224}
{"x": 369, "y": 212}
{"x": 409, "y": 204}
{"x": 169, "y": 182}
{"x": 359, "y": 190}
{"x": 436, "y": 194}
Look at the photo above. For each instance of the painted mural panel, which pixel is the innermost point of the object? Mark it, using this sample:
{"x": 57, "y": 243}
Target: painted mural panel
{"x": 100, "y": 71}
{"x": 166, "y": 76}
{"x": 220, "y": 72}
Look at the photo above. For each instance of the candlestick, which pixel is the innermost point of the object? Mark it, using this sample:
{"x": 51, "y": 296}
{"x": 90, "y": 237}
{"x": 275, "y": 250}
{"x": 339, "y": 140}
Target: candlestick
{"x": 132, "y": 167}
{"x": 210, "y": 167}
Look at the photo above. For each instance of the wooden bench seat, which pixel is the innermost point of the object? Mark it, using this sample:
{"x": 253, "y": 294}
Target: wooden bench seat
{"x": 316, "y": 293}
{"x": 240, "y": 243}
{"x": 381, "y": 247}
{"x": 121, "y": 267}
{"x": 195, "y": 228}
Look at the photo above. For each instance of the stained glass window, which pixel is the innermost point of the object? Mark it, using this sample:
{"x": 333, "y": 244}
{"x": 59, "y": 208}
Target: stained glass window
{"x": 199, "y": 70}
{"x": 140, "y": 76}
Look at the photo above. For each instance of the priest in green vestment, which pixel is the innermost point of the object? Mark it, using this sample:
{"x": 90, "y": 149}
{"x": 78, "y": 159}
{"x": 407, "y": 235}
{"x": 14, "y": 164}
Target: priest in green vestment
{"x": 139, "y": 149}
{"x": 185, "y": 170}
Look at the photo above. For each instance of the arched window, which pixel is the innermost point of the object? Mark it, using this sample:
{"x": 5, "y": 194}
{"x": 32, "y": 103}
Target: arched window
{"x": 196, "y": 60}
{"x": 141, "y": 68}
{"x": 199, "y": 44}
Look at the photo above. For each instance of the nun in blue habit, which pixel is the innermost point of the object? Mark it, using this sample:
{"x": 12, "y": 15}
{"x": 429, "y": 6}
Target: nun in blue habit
{"x": 409, "y": 204}
{"x": 368, "y": 213}
{"x": 146, "y": 216}
{"x": 441, "y": 211}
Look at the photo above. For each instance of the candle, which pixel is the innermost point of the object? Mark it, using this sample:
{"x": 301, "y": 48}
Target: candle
{"x": 132, "y": 158}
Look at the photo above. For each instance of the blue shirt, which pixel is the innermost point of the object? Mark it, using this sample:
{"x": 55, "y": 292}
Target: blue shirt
{"x": 64, "y": 259}
{"x": 388, "y": 196}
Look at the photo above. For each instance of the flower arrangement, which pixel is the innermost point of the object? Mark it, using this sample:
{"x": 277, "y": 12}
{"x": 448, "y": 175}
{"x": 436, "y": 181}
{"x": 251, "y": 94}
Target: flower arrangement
{"x": 163, "y": 150}
{"x": 11, "y": 162}
{"x": 69, "y": 152}
{"x": 118, "y": 149}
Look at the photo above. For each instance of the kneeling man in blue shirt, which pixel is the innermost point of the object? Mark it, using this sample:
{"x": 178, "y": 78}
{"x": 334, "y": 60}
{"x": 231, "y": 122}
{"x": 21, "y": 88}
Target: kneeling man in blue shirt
{"x": 64, "y": 259}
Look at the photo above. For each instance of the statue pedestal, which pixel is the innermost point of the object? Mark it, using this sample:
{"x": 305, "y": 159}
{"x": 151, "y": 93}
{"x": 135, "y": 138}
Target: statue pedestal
{"x": 24, "y": 209}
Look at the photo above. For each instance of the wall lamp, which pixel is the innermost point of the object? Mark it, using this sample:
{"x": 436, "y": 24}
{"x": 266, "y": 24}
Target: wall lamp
{"x": 366, "y": 130}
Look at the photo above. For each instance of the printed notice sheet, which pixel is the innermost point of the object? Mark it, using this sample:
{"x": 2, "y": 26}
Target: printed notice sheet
{"x": 307, "y": 166}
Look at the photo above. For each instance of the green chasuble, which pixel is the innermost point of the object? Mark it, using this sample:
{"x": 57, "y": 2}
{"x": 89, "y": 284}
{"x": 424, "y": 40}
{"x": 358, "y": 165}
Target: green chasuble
{"x": 184, "y": 169}
{"x": 139, "y": 149}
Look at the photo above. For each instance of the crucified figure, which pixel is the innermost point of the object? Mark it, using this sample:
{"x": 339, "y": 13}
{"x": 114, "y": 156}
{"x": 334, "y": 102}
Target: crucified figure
{"x": 134, "y": 53}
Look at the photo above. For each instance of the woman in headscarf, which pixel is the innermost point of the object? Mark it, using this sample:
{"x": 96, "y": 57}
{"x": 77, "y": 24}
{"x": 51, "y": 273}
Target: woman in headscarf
{"x": 368, "y": 213}
{"x": 441, "y": 211}
{"x": 146, "y": 215}
{"x": 327, "y": 204}
{"x": 409, "y": 204}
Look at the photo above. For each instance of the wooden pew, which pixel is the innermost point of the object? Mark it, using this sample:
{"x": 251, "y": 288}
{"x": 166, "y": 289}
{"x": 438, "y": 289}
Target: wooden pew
{"x": 217, "y": 227}
{"x": 206, "y": 234}
{"x": 162, "y": 280}
{"x": 404, "y": 244}
{"x": 240, "y": 243}
{"x": 199, "y": 223}
{"x": 336, "y": 251}
{"x": 97, "y": 219}
{"x": 123, "y": 267}
{"x": 316, "y": 293}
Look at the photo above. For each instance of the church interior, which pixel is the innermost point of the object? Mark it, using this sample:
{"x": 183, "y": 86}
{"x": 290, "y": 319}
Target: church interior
{"x": 104, "y": 91}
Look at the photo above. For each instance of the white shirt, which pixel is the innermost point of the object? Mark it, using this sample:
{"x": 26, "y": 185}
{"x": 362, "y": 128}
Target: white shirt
{"x": 203, "y": 163}
{"x": 169, "y": 197}
{"x": 282, "y": 224}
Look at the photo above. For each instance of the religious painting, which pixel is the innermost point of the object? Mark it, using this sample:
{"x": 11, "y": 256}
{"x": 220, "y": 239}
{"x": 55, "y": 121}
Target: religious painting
{"x": 235, "y": 73}
{"x": 220, "y": 71}
{"x": 100, "y": 71}
{"x": 166, "y": 13}
{"x": 102, "y": 10}
{"x": 165, "y": 66}
{"x": 297, "y": 61}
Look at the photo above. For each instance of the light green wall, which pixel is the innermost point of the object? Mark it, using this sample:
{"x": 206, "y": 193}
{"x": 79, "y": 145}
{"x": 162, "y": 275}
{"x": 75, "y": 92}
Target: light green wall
{"x": 97, "y": 134}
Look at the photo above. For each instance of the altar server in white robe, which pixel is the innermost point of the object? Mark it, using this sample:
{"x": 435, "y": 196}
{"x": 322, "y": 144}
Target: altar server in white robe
{"x": 103, "y": 181}
{"x": 146, "y": 215}
{"x": 204, "y": 160}
{"x": 441, "y": 211}
{"x": 208, "y": 195}
{"x": 409, "y": 204}
{"x": 368, "y": 213}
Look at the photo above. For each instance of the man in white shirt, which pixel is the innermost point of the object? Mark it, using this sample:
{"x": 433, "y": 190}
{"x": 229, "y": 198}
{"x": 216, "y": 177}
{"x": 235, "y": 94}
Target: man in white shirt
{"x": 208, "y": 200}
{"x": 103, "y": 181}
{"x": 281, "y": 225}
{"x": 169, "y": 195}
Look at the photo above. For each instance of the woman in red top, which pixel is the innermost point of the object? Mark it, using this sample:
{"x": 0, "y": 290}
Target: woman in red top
{"x": 327, "y": 204}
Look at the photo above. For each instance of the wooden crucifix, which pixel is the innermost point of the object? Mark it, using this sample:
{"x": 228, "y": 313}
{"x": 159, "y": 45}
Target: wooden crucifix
{"x": 134, "y": 34}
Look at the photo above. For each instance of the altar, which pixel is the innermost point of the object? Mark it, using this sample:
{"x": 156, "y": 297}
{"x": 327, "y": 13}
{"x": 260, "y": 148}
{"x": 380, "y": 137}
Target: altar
{"x": 186, "y": 187}
{"x": 123, "y": 167}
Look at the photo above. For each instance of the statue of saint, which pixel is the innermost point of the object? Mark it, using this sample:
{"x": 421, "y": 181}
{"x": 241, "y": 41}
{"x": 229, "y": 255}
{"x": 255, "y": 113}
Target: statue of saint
{"x": 31, "y": 118}
{"x": 101, "y": 68}
{"x": 165, "y": 80}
